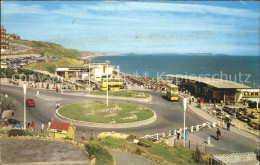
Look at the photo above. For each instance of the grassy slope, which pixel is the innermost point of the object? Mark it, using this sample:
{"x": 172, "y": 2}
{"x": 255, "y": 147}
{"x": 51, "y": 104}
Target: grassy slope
{"x": 51, "y": 66}
{"x": 122, "y": 93}
{"x": 78, "y": 112}
{"x": 50, "y": 49}
{"x": 160, "y": 151}
{"x": 31, "y": 51}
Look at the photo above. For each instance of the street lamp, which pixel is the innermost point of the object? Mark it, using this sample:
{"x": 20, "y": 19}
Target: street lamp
{"x": 89, "y": 73}
{"x": 184, "y": 108}
{"x": 24, "y": 103}
{"x": 107, "y": 80}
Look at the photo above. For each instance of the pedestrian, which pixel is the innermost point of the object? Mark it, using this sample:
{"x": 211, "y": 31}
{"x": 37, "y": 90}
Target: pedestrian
{"x": 57, "y": 105}
{"x": 178, "y": 134}
{"x": 186, "y": 134}
{"x": 49, "y": 124}
{"x": 42, "y": 128}
{"x": 32, "y": 126}
{"x": 12, "y": 114}
{"x": 28, "y": 125}
{"x": 57, "y": 89}
{"x": 228, "y": 125}
{"x": 84, "y": 136}
{"x": 92, "y": 135}
{"x": 192, "y": 98}
{"x": 19, "y": 126}
{"x": 6, "y": 122}
{"x": 218, "y": 134}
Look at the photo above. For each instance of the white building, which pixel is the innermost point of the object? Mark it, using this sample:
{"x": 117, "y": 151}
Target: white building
{"x": 96, "y": 70}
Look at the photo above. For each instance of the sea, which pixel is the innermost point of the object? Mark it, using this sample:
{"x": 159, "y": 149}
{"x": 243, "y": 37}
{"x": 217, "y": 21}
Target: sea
{"x": 240, "y": 69}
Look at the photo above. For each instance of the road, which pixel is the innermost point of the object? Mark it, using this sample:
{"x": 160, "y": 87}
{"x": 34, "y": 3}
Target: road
{"x": 170, "y": 117}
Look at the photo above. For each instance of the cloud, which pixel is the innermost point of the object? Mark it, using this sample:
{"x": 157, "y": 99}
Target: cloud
{"x": 13, "y": 8}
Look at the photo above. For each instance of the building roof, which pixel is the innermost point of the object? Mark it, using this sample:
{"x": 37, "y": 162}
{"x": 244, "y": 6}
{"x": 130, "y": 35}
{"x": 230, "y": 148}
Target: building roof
{"x": 217, "y": 83}
{"x": 172, "y": 85}
{"x": 59, "y": 125}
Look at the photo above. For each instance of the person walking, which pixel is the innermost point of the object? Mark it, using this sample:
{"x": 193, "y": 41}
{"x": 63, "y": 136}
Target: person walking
{"x": 178, "y": 134}
{"x": 92, "y": 135}
{"x": 28, "y": 125}
{"x": 42, "y": 128}
{"x": 228, "y": 125}
{"x": 57, "y": 105}
{"x": 19, "y": 126}
{"x": 32, "y": 126}
{"x": 218, "y": 134}
{"x": 84, "y": 136}
{"x": 186, "y": 134}
{"x": 49, "y": 124}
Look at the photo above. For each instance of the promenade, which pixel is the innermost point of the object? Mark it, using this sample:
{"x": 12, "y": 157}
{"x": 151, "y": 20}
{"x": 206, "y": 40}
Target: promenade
{"x": 237, "y": 126}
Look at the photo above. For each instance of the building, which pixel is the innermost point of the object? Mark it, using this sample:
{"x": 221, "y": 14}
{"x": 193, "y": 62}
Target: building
{"x": 249, "y": 95}
{"x": 61, "y": 130}
{"x": 209, "y": 88}
{"x": 96, "y": 70}
{"x": 4, "y": 42}
{"x": 13, "y": 37}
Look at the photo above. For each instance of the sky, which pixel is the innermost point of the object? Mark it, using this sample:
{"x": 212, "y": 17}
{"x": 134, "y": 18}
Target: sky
{"x": 230, "y": 27}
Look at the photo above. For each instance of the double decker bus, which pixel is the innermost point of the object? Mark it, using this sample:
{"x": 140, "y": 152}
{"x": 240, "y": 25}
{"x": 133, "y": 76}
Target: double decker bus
{"x": 172, "y": 92}
{"x": 113, "y": 84}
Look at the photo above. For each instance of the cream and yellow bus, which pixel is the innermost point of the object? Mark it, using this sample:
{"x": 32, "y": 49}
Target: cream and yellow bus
{"x": 113, "y": 84}
{"x": 172, "y": 92}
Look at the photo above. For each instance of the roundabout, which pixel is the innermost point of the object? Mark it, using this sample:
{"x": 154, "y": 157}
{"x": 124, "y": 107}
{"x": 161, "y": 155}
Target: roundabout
{"x": 115, "y": 115}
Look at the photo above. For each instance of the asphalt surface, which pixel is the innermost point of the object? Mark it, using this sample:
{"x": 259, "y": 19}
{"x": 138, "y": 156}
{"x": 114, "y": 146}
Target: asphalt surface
{"x": 169, "y": 117}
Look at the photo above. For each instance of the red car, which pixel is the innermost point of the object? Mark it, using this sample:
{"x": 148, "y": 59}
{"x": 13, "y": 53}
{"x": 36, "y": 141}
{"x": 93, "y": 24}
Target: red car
{"x": 30, "y": 103}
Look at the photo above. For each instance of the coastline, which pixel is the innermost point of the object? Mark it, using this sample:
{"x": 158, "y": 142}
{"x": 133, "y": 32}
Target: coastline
{"x": 90, "y": 57}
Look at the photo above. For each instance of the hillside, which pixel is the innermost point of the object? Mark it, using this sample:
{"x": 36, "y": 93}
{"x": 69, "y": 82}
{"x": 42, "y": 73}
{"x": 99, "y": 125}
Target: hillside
{"x": 51, "y": 66}
{"x": 50, "y": 49}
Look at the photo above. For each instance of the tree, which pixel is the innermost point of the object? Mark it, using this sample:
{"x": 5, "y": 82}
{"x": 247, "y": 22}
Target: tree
{"x": 7, "y": 103}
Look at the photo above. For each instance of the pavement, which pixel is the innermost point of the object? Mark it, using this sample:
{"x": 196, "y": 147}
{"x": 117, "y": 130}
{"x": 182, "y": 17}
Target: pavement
{"x": 170, "y": 117}
{"x": 234, "y": 124}
{"x": 121, "y": 157}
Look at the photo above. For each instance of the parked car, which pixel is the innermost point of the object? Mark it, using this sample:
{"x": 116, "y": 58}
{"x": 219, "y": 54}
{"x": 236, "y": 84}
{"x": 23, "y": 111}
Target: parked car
{"x": 30, "y": 103}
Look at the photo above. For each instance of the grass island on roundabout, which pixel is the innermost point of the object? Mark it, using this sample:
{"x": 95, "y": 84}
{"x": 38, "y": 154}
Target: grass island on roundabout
{"x": 99, "y": 112}
{"x": 122, "y": 93}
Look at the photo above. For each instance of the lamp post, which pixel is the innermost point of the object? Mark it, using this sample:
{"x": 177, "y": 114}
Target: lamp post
{"x": 107, "y": 80}
{"x": 184, "y": 108}
{"x": 89, "y": 72}
{"x": 24, "y": 103}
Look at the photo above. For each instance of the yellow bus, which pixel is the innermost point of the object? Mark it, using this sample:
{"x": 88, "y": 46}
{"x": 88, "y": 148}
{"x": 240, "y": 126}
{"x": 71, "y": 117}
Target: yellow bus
{"x": 172, "y": 92}
{"x": 113, "y": 84}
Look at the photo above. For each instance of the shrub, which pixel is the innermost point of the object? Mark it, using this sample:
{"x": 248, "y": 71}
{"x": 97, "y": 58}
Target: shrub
{"x": 102, "y": 155}
{"x": 15, "y": 132}
{"x": 138, "y": 151}
{"x": 8, "y": 103}
{"x": 27, "y": 133}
